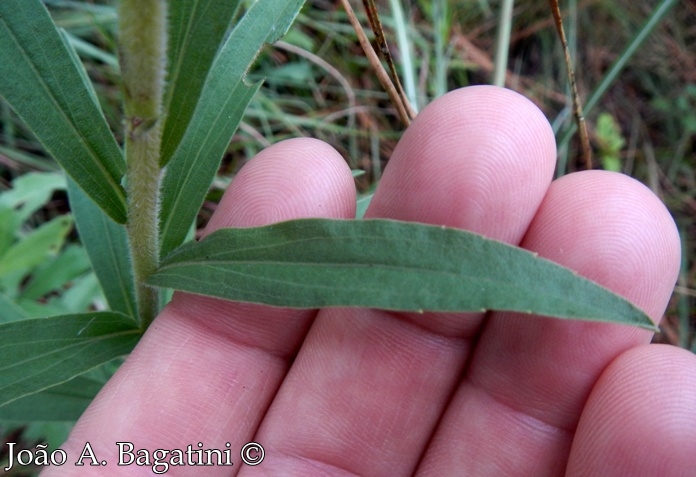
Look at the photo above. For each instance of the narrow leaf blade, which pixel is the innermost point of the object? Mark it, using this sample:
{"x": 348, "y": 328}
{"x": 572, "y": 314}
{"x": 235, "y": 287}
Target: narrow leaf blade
{"x": 40, "y": 353}
{"x": 196, "y": 29}
{"x": 41, "y": 81}
{"x": 107, "y": 246}
{"x": 385, "y": 264}
{"x": 223, "y": 100}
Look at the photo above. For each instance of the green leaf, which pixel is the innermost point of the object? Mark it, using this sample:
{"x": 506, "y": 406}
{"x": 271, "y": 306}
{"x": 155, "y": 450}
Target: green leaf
{"x": 80, "y": 295}
{"x": 10, "y": 221}
{"x": 55, "y": 274}
{"x": 385, "y": 264}
{"x": 363, "y": 203}
{"x": 36, "y": 247}
{"x": 31, "y": 191}
{"x": 40, "y": 353}
{"x": 10, "y": 310}
{"x": 52, "y": 433}
{"x": 69, "y": 47}
{"x": 223, "y": 100}
{"x": 107, "y": 246}
{"x": 64, "y": 402}
{"x": 40, "y": 79}
{"x": 29, "y": 160}
{"x": 83, "y": 293}
{"x": 196, "y": 28}
{"x": 610, "y": 142}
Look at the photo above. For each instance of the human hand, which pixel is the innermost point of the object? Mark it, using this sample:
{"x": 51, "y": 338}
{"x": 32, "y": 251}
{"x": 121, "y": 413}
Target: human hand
{"x": 369, "y": 392}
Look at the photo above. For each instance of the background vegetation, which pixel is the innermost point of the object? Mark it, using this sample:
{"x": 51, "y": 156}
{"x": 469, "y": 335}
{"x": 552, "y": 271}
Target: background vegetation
{"x": 318, "y": 84}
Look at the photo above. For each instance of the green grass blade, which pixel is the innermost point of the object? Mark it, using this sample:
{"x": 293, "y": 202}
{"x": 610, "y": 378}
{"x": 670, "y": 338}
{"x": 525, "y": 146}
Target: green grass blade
{"x": 223, "y": 100}
{"x": 107, "y": 246}
{"x": 41, "y": 353}
{"x": 196, "y": 28}
{"x": 657, "y": 16}
{"x": 88, "y": 50}
{"x": 40, "y": 79}
{"x": 403, "y": 40}
{"x": 442, "y": 24}
{"x": 503, "y": 43}
{"x": 616, "y": 68}
{"x": 385, "y": 264}
{"x": 30, "y": 161}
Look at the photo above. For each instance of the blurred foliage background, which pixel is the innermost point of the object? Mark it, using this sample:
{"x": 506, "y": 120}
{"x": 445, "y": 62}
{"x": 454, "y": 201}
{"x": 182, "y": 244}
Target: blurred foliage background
{"x": 319, "y": 84}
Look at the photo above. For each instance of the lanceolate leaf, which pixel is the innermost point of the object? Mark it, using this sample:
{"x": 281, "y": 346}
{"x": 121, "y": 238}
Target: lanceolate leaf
{"x": 107, "y": 246}
{"x": 223, "y": 100}
{"x": 385, "y": 264}
{"x": 196, "y": 28}
{"x": 40, "y": 353}
{"x": 42, "y": 83}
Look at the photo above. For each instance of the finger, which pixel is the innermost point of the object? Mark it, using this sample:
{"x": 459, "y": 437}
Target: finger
{"x": 516, "y": 411}
{"x": 207, "y": 369}
{"x": 368, "y": 386}
{"x": 640, "y": 419}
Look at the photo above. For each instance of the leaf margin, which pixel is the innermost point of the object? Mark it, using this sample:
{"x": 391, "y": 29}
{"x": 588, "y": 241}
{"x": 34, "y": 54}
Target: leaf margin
{"x": 339, "y": 235}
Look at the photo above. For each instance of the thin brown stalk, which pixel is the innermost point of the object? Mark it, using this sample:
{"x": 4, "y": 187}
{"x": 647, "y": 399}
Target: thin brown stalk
{"x": 376, "y": 25}
{"x": 376, "y": 64}
{"x": 577, "y": 106}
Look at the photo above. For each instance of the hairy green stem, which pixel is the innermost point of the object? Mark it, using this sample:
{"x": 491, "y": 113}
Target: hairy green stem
{"x": 142, "y": 55}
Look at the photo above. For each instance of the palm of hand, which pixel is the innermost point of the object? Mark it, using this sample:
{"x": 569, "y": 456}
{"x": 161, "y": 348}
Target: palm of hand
{"x": 368, "y": 392}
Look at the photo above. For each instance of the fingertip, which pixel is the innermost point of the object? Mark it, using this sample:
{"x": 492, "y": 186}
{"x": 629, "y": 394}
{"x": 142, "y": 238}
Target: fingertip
{"x": 478, "y": 158}
{"x": 295, "y": 178}
{"x": 640, "y": 418}
{"x": 612, "y": 229}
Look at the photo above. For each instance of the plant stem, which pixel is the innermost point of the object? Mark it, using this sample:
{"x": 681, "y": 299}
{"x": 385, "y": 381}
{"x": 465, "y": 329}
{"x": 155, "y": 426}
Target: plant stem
{"x": 441, "y": 25}
{"x": 655, "y": 18}
{"x": 405, "y": 48}
{"x": 142, "y": 55}
{"x": 503, "y": 43}
{"x": 373, "y": 59}
{"x": 577, "y": 105}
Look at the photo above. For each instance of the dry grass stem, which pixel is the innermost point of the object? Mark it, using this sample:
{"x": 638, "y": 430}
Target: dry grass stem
{"x": 376, "y": 25}
{"x": 577, "y": 107}
{"x": 372, "y": 57}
